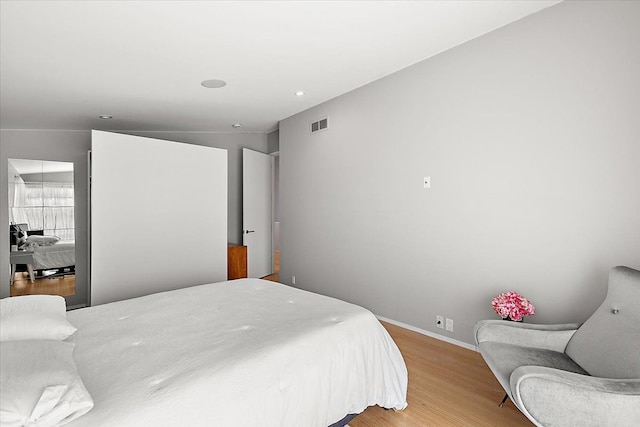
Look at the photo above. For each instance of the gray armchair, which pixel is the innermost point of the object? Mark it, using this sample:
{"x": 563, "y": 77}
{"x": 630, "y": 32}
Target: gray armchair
{"x": 573, "y": 374}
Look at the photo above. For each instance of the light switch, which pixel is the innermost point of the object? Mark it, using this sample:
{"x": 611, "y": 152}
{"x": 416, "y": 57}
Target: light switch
{"x": 427, "y": 182}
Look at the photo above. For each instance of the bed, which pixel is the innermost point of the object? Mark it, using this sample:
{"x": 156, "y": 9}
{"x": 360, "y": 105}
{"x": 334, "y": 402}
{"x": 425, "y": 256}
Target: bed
{"x": 61, "y": 254}
{"x": 245, "y": 352}
{"x": 49, "y": 252}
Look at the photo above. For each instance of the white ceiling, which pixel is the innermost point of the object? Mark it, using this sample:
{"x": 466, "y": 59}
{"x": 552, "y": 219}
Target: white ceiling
{"x": 23, "y": 166}
{"x": 64, "y": 63}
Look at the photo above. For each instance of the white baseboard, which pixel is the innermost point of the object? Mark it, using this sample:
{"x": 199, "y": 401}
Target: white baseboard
{"x": 429, "y": 334}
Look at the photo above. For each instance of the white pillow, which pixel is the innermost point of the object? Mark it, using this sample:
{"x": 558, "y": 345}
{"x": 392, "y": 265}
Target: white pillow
{"x": 34, "y": 317}
{"x": 42, "y": 240}
{"x": 39, "y": 384}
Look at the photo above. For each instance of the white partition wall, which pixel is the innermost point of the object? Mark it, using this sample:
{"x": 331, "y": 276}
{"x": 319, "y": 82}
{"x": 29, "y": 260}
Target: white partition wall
{"x": 158, "y": 216}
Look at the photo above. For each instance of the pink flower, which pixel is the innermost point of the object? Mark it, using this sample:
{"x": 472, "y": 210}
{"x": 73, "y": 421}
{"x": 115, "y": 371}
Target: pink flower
{"x": 511, "y": 304}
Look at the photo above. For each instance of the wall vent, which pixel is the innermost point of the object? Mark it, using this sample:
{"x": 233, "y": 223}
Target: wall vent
{"x": 320, "y": 125}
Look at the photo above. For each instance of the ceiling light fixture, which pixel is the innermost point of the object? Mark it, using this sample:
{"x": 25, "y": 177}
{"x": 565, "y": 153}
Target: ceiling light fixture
{"x": 299, "y": 93}
{"x": 213, "y": 83}
{"x": 105, "y": 117}
{"x": 236, "y": 125}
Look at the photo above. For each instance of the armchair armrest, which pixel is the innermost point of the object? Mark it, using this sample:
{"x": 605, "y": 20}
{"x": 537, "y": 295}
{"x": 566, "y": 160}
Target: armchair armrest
{"x": 550, "y": 396}
{"x": 550, "y": 337}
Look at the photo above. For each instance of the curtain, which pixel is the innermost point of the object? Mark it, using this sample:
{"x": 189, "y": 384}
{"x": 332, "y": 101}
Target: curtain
{"x": 46, "y": 206}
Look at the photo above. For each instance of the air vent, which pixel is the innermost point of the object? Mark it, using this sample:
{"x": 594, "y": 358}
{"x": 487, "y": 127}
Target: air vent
{"x": 320, "y": 125}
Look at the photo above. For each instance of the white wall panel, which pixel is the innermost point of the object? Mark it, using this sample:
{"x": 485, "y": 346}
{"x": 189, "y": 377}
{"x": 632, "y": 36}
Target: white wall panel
{"x": 158, "y": 216}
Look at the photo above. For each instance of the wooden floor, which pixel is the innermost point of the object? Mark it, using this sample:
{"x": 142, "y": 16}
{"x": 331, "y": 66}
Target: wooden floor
{"x": 65, "y": 286}
{"x": 275, "y": 277}
{"x": 448, "y": 386}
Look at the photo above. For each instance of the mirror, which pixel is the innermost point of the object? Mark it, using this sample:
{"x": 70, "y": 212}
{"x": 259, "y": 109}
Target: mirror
{"x": 41, "y": 227}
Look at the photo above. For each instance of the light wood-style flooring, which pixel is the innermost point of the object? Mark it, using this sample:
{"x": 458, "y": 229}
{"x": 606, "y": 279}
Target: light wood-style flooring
{"x": 65, "y": 286}
{"x": 275, "y": 277}
{"x": 448, "y": 386}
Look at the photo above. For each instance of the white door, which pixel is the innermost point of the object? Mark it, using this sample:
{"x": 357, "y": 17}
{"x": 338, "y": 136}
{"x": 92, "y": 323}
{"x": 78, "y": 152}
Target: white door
{"x": 256, "y": 212}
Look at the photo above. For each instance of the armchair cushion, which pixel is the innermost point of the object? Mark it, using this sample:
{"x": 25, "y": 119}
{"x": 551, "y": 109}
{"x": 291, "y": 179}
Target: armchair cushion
{"x": 550, "y": 337}
{"x": 503, "y": 359}
{"x": 608, "y": 343}
{"x": 552, "y": 397}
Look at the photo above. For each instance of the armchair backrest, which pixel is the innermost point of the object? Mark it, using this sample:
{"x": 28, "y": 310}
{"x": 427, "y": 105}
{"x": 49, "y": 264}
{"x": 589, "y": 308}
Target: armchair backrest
{"x": 607, "y": 345}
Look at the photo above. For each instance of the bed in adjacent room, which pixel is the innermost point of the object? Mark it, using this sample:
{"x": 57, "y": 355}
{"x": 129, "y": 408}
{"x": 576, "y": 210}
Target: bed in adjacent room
{"x": 48, "y": 252}
{"x": 240, "y": 353}
{"x": 59, "y": 254}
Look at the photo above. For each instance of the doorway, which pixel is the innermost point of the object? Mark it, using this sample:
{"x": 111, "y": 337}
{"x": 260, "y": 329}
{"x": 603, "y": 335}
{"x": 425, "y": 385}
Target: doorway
{"x": 257, "y": 212}
{"x": 275, "y": 277}
{"x": 260, "y": 213}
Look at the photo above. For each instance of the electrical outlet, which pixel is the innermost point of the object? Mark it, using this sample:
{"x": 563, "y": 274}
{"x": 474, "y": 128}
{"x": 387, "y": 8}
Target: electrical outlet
{"x": 293, "y": 280}
{"x": 439, "y": 321}
{"x": 449, "y": 325}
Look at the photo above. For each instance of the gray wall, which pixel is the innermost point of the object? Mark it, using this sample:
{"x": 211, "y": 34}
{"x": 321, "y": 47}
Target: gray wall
{"x": 65, "y": 146}
{"x": 273, "y": 141}
{"x": 73, "y": 146}
{"x": 530, "y": 135}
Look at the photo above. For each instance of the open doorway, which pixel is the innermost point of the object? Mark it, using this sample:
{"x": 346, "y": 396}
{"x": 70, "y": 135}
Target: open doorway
{"x": 273, "y": 225}
{"x": 276, "y": 215}
{"x": 275, "y": 277}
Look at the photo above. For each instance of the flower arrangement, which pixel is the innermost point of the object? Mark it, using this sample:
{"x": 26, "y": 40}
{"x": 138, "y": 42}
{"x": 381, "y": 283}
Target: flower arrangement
{"x": 512, "y": 305}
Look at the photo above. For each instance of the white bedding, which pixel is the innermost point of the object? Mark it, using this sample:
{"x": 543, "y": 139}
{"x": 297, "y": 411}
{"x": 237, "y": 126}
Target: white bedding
{"x": 39, "y": 384}
{"x": 58, "y": 255}
{"x": 240, "y": 353}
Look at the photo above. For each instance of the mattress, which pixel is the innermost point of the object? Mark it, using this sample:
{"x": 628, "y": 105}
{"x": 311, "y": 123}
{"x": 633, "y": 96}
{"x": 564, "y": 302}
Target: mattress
{"x": 240, "y": 353}
{"x": 58, "y": 255}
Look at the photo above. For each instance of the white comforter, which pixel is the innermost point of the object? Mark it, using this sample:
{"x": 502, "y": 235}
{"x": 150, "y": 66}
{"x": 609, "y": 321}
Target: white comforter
{"x": 58, "y": 255}
{"x": 240, "y": 353}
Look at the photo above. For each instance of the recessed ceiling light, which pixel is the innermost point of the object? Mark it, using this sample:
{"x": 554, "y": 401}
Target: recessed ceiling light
{"x": 299, "y": 93}
{"x": 236, "y": 125}
{"x": 213, "y": 83}
{"x": 106, "y": 117}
